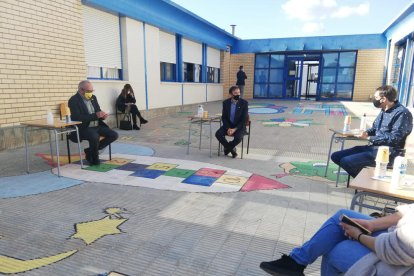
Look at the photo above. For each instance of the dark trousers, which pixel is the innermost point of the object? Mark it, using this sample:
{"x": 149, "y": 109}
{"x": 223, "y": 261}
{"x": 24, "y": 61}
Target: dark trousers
{"x": 237, "y": 137}
{"x": 135, "y": 114}
{"x": 92, "y": 134}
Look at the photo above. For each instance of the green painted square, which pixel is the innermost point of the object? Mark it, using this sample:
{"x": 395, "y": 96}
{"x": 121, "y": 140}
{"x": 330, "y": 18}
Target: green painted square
{"x": 182, "y": 173}
{"x": 102, "y": 167}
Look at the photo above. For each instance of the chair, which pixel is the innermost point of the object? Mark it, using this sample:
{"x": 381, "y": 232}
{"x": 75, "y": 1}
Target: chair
{"x": 65, "y": 111}
{"x": 117, "y": 112}
{"x": 248, "y": 125}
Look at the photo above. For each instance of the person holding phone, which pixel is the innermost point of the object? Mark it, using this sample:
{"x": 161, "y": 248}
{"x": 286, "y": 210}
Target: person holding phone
{"x": 346, "y": 249}
{"x": 126, "y": 103}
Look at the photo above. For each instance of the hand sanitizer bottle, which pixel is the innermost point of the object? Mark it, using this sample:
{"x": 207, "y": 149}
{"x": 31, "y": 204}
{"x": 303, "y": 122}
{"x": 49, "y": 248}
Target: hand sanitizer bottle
{"x": 49, "y": 117}
{"x": 398, "y": 172}
{"x": 200, "y": 111}
{"x": 363, "y": 125}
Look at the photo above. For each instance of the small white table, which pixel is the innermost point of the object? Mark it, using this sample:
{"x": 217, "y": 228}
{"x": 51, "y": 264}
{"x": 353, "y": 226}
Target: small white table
{"x": 367, "y": 186}
{"x": 58, "y": 127}
{"x": 201, "y": 121}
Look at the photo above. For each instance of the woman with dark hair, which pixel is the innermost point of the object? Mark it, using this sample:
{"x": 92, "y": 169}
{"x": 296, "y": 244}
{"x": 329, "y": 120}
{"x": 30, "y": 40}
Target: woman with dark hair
{"x": 126, "y": 103}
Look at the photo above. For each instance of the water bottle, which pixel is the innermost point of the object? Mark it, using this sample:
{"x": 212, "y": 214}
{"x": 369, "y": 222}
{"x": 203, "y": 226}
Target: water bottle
{"x": 49, "y": 117}
{"x": 200, "y": 111}
{"x": 398, "y": 172}
{"x": 363, "y": 125}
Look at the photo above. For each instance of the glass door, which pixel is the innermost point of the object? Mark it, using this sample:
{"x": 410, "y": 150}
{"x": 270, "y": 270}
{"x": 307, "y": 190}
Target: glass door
{"x": 293, "y": 80}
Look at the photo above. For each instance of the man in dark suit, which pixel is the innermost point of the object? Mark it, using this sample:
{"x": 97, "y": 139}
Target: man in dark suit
{"x": 84, "y": 107}
{"x": 234, "y": 116}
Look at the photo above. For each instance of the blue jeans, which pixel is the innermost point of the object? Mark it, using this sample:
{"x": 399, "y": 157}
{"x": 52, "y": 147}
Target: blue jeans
{"x": 353, "y": 160}
{"x": 339, "y": 253}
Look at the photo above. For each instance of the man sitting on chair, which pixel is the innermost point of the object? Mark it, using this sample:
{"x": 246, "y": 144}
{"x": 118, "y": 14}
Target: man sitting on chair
{"x": 390, "y": 128}
{"x": 84, "y": 107}
{"x": 234, "y": 116}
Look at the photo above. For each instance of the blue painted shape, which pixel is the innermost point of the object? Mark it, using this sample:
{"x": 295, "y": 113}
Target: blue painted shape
{"x": 34, "y": 183}
{"x": 199, "y": 180}
{"x": 145, "y": 173}
{"x": 130, "y": 149}
{"x": 319, "y": 43}
{"x": 133, "y": 167}
{"x": 168, "y": 16}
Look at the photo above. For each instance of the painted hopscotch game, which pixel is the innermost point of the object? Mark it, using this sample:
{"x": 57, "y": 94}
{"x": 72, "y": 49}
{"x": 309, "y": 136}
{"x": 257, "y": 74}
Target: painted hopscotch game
{"x": 170, "y": 174}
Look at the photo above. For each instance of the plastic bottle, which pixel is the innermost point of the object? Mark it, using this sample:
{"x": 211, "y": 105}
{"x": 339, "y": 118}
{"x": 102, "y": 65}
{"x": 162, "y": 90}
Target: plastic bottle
{"x": 200, "y": 111}
{"x": 363, "y": 125}
{"x": 398, "y": 172}
{"x": 347, "y": 123}
{"x": 49, "y": 117}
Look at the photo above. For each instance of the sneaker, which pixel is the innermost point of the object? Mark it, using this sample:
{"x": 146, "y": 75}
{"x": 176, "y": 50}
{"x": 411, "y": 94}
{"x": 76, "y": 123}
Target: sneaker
{"x": 143, "y": 121}
{"x": 233, "y": 153}
{"x": 284, "y": 266}
{"x": 135, "y": 127}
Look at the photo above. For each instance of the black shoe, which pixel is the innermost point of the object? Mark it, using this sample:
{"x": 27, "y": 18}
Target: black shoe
{"x": 143, "y": 121}
{"x": 88, "y": 156}
{"x": 96, "y": 162}
{"x": 226, "y": 152}
{"x": 135, "y": 127}
{"x": 233, "y": 153}
{"x": 284, "y": 266}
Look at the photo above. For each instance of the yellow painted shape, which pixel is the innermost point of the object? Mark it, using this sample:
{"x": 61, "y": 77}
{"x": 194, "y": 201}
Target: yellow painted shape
{"x": 92, "y": 230}
{"x": 162, "y": 166}
{"x": 63, "y": 159}
{"x": 12, "y": 265}
{"x": 285, "y": 124}
{"x": 118, "y": 161}
{"x": 232, "y": 180}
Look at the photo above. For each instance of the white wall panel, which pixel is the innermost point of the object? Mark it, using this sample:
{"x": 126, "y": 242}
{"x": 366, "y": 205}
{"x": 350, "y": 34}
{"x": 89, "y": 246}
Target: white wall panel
{"x": 102, "y": 38}
{"x": 194, "y": 93}
{"x": 167, "y": 48}
{"x": 192, "y": 51}
{"x": 214, "y": 92}
{"x": 152, "y": 38}
{"x": 213, "y": 57}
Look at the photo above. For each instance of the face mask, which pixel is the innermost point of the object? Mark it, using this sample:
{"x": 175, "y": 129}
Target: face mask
{"x": 236, "y": 97}
{"x": 376, "y": 103}
{"x": 88, "y": 95}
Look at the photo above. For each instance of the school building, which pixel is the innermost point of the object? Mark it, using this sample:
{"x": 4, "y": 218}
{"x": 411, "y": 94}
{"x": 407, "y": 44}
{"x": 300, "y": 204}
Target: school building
{"x": 173, "y": 57}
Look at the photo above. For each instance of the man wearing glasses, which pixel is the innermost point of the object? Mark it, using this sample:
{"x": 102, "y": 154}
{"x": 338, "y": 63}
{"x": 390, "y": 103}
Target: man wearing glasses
{"x": 84, "y": 107}
{"x": 390, "y": 128}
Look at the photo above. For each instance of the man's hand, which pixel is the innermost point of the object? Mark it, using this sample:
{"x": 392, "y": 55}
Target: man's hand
{"x": 101, "y": 115}
{"x": 363, "y": 135}
{"x": 231, "y": 131}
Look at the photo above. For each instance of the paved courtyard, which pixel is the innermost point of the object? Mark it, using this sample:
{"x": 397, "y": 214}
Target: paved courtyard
{"x": 83, "y": 226}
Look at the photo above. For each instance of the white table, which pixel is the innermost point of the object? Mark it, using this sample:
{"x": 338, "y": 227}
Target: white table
{"x": 58, "y": 127}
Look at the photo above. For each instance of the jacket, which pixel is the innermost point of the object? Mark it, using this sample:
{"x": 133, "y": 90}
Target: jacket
{"x": 240, "y": 117}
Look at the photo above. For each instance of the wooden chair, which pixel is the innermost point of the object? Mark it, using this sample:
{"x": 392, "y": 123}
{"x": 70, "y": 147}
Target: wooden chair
{"x": 248, "y": 126}
{"x": 65, "y": 111}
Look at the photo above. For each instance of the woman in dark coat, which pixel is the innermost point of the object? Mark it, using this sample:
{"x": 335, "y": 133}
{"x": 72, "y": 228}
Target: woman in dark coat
{"x": 126, "y": 102}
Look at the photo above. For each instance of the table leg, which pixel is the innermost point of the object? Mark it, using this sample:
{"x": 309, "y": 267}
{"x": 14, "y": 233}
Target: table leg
{"x": 51, "y": 148}
{"x": 329, "y": 154}
{"x": 189, "y": 136}
{"x": 79, "y": 146}
{"x": 211, "y": 137}
{"x": 201, "y": 131}
{"x": 338, "y": 173}
{"x": 57, "y": 151}
{"x": 26, "y": 146}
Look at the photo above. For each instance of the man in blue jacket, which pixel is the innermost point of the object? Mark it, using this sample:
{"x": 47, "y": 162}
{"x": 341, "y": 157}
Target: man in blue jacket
{"x": 234, "y": 117}
{"x": 390, "y": 128}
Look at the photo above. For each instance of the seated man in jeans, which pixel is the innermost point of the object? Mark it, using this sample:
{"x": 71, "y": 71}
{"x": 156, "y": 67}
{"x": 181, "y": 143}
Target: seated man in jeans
{"x": 390, "y": 128}
{"x": 84, "y": 107}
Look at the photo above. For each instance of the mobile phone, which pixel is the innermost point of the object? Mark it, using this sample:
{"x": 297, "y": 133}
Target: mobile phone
{"x": 349, "y": 221}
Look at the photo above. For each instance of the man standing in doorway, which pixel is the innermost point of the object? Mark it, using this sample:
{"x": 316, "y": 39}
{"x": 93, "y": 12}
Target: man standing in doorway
{"x": 241, "y": 76}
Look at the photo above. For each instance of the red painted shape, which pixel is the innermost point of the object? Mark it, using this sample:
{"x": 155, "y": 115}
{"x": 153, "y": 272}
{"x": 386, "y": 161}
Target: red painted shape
{"x": 258, "y": 182}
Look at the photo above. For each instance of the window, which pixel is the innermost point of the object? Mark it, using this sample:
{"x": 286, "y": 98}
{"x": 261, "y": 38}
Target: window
{"x": 213, "y": 75}
{"x": 167, "y": 71}
{"x": 269, "y": 75}
{"x": 102, "y": 44}
{"x": 192, "y": 72}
